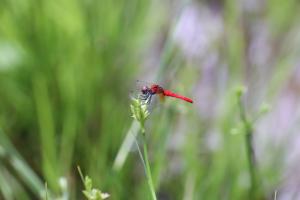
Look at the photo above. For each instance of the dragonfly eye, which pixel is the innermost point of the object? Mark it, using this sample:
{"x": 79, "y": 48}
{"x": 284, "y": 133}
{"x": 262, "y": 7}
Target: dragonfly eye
{"x": 145, "y": 90}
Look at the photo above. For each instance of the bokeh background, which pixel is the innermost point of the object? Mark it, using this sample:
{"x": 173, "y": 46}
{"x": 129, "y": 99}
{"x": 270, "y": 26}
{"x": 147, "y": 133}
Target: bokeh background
{"x": 66, "y": 71}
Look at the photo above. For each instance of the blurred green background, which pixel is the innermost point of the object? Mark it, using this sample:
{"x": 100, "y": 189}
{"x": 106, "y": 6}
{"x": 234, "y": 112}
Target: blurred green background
{"x": 66, "y": 71}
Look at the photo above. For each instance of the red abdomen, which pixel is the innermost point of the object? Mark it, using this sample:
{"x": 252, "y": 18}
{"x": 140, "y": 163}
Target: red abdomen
{"x": 171, "y": 94}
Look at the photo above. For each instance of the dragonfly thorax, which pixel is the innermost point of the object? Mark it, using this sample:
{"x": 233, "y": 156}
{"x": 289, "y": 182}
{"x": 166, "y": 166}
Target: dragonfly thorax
{"x": 156, "y": 89}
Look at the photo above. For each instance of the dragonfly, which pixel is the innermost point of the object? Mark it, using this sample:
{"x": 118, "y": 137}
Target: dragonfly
{"x": 147, "y": 91}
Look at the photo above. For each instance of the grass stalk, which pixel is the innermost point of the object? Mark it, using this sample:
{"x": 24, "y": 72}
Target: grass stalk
{"x": 247, "y": 124}
{"x": 148, "y": 169}
{"x": 140, "y": 113}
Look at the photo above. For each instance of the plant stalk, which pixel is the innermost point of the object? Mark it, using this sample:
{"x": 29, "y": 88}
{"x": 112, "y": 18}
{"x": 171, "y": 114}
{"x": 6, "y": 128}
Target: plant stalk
{"x": 249, "y": 147}
{"x": 148, "y": 170}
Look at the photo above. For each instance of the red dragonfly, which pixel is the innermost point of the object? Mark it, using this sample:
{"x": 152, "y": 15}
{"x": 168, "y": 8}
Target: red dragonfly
{"x": 147, "y": 93}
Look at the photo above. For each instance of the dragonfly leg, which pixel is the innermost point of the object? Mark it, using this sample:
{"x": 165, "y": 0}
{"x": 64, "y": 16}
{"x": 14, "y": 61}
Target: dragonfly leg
{"x": 143, "y": 97}
{"x": 148, "y": 99}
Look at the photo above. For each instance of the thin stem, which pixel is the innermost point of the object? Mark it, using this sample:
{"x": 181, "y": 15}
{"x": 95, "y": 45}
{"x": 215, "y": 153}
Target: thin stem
{"x": 148, "y": 170}
{"x": 249, "y": 146}
{"x": 141, "y": 155}
{"x": 140, "y": 113}
{"x": 80, "y": 173}
{"x": 251, "y": 160}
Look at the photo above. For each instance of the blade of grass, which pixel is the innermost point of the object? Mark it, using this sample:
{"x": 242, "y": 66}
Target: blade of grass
{"x": 126, "y": 146}
{"x": 20, "y": 166}
{"x": 47, "y": 131}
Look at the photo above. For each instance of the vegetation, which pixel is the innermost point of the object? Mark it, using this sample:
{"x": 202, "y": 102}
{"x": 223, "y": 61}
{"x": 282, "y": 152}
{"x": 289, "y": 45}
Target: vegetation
{"x": 67, "y": 69}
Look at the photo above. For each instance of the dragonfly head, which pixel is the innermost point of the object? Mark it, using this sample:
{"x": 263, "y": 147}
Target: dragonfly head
{"x": 145, "y": 90}
{"x": 146, "y": 94}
